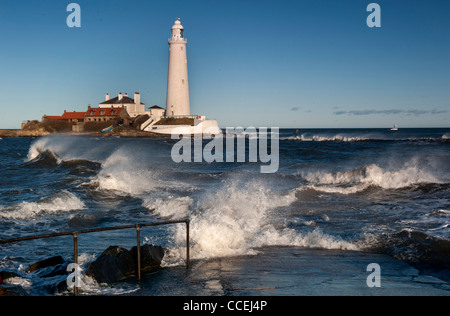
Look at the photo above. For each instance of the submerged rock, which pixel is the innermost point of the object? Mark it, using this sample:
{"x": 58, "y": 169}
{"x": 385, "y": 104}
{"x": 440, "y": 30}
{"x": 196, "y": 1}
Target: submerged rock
{"x": 12, "y": 290}
{"x": 116, "y": 263}
{"x": 9, "y": 289}
{"x": 53, "y": 261}
{"x": 5, "y": 275}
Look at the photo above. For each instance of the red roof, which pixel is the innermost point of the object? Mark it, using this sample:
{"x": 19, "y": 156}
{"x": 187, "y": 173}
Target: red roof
{"x": 52, "y": 117}
{"x": 73, "y": 115}
{"x": 103, "y": 112}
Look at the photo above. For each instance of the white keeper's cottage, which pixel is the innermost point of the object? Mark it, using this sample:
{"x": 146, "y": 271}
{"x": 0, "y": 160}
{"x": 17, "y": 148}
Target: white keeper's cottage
{"x": 134, "y": 106}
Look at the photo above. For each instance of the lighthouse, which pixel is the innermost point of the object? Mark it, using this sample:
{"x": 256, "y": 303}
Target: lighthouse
{"x": 177, "y": 101}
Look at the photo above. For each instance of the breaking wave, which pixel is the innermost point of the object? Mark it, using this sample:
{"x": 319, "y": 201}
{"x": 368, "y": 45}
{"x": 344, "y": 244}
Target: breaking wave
{"x": 360, "y": 179}
{"x": 127, "y": 174}
{"x": 317, "y": 138}
{"x": 361, "y": 138}
{"x": 237, "y": 218}
{"x": 121, "y": 173}
{"x": 46, "y": 147}
{"x": 61, "y": 201}
{"x": 67, "y": 148}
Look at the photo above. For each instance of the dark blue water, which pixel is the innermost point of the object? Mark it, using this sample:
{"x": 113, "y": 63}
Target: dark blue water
{"x": 367, "y": 190}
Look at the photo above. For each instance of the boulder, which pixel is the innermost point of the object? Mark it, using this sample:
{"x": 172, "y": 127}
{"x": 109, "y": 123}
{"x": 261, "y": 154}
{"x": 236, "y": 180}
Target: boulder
{"x": 116, "y": 263}
{"x": 5, "y": 275}
{"x": 105, "y": 269}
{"x": 9, "y": 289}
{"x": 53, "y": 261}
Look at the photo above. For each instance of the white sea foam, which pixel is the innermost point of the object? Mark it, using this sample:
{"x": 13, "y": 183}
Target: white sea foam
{"x": 42, "y": 145}
{"x": 128, "y": 174}
{"x": 357, "y": 180}
{"x": 61, "y": 201}
{"x": 314, "y": 239}
{"x": 66, "y": 148}
{"x": 175, "y": 208}
{"x": 446, "y": 136}
{"x": 435, "y": 223}
{"x": 62, "y": 148}
{"x": 36, "y": 148}
{"x": 122, "y": 173}
{"x": 317, "y": 138}
{"x": 239, "y": 217}
{"x": 22, "y": 282}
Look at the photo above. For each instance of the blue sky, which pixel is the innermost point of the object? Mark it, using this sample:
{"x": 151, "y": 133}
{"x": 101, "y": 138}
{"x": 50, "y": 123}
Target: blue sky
{"x": 299, "y": 63}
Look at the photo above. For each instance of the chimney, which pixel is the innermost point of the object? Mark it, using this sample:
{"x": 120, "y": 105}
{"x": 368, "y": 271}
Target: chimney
{"x": 107, "y": 97}
{"x": 120, "y": 96}
{"x": 126, "y": 95}
{"x": 137, "y": 98}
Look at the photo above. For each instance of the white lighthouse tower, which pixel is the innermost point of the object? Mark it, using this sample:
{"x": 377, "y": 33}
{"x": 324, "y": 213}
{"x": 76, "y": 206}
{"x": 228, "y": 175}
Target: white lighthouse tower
{"x": 177, "y": 102}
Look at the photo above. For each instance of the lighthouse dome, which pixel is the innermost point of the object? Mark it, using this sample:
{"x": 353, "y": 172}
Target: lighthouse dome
{"x": 177, "y": 25}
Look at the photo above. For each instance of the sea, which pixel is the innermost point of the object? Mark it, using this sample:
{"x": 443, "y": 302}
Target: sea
{"x": 366, "y": 191}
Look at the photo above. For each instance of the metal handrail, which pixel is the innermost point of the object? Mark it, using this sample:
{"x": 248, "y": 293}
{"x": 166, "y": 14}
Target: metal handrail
{"x": 75, "y": 235}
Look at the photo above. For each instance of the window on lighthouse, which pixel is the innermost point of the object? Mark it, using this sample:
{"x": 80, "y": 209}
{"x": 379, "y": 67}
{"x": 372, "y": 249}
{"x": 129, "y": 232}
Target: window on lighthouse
{"x": 182, "y": 33}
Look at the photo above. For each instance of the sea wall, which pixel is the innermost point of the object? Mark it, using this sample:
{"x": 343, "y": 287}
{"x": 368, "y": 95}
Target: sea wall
{"x": 23, "y": 133}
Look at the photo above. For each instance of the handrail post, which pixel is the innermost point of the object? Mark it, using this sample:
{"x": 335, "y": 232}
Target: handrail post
{"x": 188, "y": 260}
{"x": 75, "y": 260}
{"x": 138, "y": 233}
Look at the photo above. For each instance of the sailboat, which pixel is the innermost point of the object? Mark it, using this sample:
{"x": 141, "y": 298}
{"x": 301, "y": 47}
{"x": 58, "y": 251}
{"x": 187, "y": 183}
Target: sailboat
{"x": 395, "y": 128}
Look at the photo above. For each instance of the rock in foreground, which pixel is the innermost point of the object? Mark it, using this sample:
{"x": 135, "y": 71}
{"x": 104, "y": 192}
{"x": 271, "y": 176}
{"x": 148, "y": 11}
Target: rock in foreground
{"x": 116, "y": 263}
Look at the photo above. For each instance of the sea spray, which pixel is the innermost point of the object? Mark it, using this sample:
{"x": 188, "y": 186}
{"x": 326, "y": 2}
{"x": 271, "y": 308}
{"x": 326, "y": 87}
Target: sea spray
{"x": 241, "y": 216}
{"x": 170, "y": 207}
{"x": 123, "y": 174}
{"x": 127, "y": 172}
{"x": 67, "y": 148}
{"x": 63, "y": 148}
{"x": 36, "y": 148}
